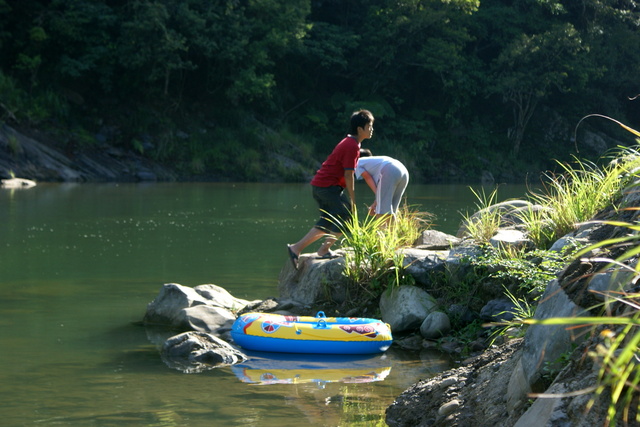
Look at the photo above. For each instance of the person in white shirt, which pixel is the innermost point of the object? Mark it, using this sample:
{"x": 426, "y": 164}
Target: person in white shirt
{"x": 388, "y": 179}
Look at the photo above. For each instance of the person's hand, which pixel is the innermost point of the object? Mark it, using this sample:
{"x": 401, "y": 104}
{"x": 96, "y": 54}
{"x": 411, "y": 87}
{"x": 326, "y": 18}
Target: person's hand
{"x": 372, "y": 208}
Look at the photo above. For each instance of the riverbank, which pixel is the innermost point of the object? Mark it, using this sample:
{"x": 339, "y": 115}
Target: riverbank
{"x": 32, "y": 155}
{"x": 557, "y": 373}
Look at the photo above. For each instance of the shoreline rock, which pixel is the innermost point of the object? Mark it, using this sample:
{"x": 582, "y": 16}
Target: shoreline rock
{"x": 29, "y": 156}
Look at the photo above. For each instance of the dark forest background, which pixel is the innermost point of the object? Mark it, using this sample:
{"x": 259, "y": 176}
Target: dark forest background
{"x": 261, "y": 90}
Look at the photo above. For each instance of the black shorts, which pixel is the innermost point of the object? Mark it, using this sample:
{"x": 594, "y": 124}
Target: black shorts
{"x": 335, "y": 207}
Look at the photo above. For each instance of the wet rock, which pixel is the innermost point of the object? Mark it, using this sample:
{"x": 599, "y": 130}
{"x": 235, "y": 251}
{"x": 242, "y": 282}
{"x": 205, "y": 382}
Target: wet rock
{"x": 192, "y": 352}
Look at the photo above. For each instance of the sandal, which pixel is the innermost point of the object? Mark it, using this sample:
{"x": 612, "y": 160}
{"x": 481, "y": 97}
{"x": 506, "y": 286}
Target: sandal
{"x": 328, "y": 255}
{"x": 293, "y": 257}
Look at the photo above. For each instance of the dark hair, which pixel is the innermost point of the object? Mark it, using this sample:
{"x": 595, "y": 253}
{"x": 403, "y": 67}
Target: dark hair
{"x": 365, "y": 152}
{"x": 360, "y": 119}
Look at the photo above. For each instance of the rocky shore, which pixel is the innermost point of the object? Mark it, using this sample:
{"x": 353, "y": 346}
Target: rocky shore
{"x": 543, "y": 378}
{"x": 546, "y": 378}
{"x": 27, "y": 154}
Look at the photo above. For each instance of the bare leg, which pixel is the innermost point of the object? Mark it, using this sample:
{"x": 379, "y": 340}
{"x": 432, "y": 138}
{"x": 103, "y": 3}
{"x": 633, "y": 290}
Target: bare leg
{"x": 329, "y": 241}
{"x": 313, "y": 235}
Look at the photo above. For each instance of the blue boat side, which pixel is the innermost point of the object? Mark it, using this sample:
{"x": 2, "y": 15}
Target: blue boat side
{"x": 282, "y": 345}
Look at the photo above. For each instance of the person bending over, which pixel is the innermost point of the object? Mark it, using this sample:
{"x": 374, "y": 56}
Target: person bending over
{"x": 388, "y": 179}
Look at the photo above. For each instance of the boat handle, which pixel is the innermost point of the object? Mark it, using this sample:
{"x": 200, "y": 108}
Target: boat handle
{"x": 321, "y": 315}
{"x": 322, "y": 324}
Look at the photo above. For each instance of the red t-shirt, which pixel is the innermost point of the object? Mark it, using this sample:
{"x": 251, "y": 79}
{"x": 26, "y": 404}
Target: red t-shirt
{"x": 343, "y": 157}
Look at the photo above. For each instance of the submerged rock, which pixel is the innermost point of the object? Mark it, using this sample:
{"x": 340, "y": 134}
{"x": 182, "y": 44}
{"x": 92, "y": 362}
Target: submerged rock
{"x": 192, "y": 352}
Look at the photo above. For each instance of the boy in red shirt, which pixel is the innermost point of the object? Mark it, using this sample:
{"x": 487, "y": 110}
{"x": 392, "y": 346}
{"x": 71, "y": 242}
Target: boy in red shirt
{"x": 334, "y": 176}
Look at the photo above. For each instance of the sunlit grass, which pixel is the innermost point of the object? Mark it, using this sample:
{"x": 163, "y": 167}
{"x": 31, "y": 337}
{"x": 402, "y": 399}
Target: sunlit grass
{"x": 573, "y": 197}
{"x": 566, "y": 199}
{"x": 374, "y": 261}
{"x": 483, "y": 225}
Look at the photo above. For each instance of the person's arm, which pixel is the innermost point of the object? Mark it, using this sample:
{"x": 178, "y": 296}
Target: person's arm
{"x": 349, "y": 180}
{"x": 369, "y": 180}
{"x": 372, "y": 185}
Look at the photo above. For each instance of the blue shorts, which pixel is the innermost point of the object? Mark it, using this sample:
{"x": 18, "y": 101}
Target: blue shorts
{"x": 335, "y": 207}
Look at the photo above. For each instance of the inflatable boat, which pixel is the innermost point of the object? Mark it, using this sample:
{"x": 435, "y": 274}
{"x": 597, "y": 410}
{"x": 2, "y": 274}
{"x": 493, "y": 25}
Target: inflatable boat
{"x": 314, "y": 335}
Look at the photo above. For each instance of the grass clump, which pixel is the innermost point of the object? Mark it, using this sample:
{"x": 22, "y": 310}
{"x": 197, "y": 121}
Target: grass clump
{"x": 565, "y": 200}
{"x": 521, "y": 271}
{"x": 578, "y": 194}
{"x": 374, "y": 259}
{"x": 483, "y": 225}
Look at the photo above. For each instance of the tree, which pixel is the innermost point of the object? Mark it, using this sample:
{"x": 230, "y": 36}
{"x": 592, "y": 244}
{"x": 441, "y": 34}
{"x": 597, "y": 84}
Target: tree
{"x": 530, "y": 67}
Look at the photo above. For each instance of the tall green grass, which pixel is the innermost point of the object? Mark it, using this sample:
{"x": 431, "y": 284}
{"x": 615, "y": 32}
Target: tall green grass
{"x": 566, "y": 199}
{"x": 483, "y": 225}
{"x": 575, "y": 196}
{"x": 618, "y": 341}
{"x": 373, "y": 255}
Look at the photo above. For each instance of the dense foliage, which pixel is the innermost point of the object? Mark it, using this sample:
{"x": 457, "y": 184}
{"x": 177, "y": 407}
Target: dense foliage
{"x": 219, "y": 88}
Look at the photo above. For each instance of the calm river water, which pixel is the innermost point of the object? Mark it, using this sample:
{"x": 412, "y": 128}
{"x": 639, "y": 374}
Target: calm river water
{"x": 80, "y": 262}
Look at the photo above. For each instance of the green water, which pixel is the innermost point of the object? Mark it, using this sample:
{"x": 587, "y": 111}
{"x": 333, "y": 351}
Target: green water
{"x": 79, "y": 264}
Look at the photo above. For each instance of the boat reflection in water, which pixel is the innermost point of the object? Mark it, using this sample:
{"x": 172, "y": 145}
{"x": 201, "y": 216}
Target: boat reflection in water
{"x": 264, "y": 368}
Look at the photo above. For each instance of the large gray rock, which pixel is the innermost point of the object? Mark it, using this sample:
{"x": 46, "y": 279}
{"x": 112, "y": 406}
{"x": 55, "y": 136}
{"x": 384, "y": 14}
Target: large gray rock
{"x": 509, "y": 212}
{"x": 610, "y": 284}
{"x": 435, "y": 325}
{"x": 206, "y": 318}
{"x": 192, "y": 352}
{"x": 220, "y": 297}
{"x": 435, "y": 240}
{"x": 422, "y": 264}
{"x": 510, "y": 238}
{"x": 544, "y": 344}
{"x": 206, "y": 308}
{"x": 498, "y": 310}
{"x": 406, "y": 307}
{"x": 315, "y": 279}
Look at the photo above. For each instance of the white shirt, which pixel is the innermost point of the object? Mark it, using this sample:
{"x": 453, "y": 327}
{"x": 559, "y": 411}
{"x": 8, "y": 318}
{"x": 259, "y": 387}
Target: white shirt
{"x": 373, "y": 165}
